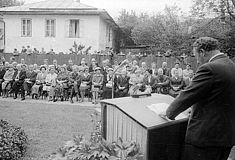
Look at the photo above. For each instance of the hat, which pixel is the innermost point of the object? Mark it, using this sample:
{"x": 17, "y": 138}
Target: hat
{"x": 110, "y": 69}
{"x": 97, "y": 68}
{"x": 43, "y": 66}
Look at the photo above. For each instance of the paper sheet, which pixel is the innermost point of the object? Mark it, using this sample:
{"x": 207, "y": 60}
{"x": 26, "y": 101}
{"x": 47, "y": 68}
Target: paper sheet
{"x": 160, "y": 108}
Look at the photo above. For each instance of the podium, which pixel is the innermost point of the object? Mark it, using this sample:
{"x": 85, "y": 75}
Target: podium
{"x": 132, "y": 120}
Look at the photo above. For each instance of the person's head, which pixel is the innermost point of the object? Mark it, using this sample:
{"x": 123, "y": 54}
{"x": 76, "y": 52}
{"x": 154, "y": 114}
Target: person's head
{"x": 62, "y": 69}
{"x": 110, "y": 71}
{"x": 54, "y": 62}
{"x": 31, "y": 67}
{"x": 204, "y": 48}
{"x": 52, "y": 69}
{"x": 80, "y": 70}
{"x": 14, "y": 64}
{"x": 7, "y": 64}
{"x": 93, "y": 60}
{"x": 148, "y": 72}
{"x": 138, "y": 72}
{"x": 134, "y": 62}
{"x": 12, "y": 59}
{"x": 83, "y": 63}
{"x": 177, "y": 65}
{"x": 86, "y": 69}
{"x": 22, "y": 61}
{"x": 74, "y": 68}
{"x": 70, "y": 62}
{"x": 191, "y": 75}
{"x": 153, "y": 65}
{"x": 143, "y": 65}
{"x": 43, "y": 69}
{"x": 18, "y": 67}
{"x": 3, "y": 59}
{"x": 104, "y": 63}
{"x": 35, "y": 66}
{"x": 28, "y": 46}
{"x": 97, "y": 70}
{"x": 1, "y": 66}
{"x": 176, "y": 73}
{"x": 188, "y": 66}
{"x": 160, "y": 72}
{"x": 23, "y": 67}
{"x": 45, "y": 61}
{"x": 164, "y": 64}
{"x": 10, "y": 67}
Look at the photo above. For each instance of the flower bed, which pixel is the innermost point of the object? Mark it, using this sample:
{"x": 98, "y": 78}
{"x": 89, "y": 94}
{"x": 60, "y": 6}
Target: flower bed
{"x": 13, "y": 141}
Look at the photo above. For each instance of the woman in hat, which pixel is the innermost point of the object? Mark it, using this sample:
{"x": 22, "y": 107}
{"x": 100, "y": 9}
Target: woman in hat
{"x": 136, "y": 83}
{"x": 8, "y": 77}
{"x": 97, "y": 83}
{"x": 40, "y": 80}
{"x": 108, "y": 84}
{"x": 85, "y": 87}
{"x": 61, "y": 90}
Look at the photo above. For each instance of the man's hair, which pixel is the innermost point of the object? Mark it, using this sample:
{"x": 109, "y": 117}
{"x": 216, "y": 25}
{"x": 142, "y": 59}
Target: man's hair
{"x": 206, "y": 43}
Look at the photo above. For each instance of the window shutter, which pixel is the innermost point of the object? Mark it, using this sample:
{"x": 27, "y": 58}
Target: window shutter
{"x": 67, "y": 26}
{"x": 82, "y": 29}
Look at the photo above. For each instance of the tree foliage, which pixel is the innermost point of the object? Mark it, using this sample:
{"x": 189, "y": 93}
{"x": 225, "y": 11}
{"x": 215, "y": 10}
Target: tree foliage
{"x": 7, "y": 3}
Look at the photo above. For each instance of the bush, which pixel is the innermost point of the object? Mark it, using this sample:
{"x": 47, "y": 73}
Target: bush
{"x": 13, "y": 141}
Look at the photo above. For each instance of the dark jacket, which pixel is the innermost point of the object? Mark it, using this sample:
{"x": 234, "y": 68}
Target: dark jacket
{"x": 22, "y": 75}
{"x": 212, "y": 97}
{"x": 32, "y": 76}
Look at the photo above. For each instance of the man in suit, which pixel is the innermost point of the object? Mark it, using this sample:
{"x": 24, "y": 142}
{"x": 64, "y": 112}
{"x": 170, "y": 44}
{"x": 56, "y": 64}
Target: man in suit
{"x": 166, "y": 70}
{"x": 210, "y": 133}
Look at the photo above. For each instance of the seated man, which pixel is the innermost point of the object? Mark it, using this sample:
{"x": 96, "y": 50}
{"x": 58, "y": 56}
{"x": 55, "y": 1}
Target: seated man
{"x": 31, "y": 76}
{"x": 19, "y": 80}
{"x": 108, "y": 84}
{"x": 122, "y": 85}
{"x": 161, "y": 82}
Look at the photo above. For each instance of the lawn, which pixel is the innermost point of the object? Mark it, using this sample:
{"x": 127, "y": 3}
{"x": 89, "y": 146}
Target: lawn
{"x": 47, "y": 125}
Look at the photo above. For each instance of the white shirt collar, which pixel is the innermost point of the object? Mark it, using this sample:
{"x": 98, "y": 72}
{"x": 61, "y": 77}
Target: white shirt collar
{"x": 215, "y": 56}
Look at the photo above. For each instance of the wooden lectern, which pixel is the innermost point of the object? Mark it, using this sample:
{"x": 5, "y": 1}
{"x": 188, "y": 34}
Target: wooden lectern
{"x": 131, "y": 119}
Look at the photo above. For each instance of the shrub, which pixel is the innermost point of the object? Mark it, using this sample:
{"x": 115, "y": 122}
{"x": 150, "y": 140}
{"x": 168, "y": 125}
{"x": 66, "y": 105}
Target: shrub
{"x": 13, "y": 141}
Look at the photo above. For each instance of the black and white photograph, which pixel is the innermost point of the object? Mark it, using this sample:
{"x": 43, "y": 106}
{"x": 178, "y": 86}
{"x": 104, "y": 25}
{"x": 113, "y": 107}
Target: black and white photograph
{"x": 117, "y": 79}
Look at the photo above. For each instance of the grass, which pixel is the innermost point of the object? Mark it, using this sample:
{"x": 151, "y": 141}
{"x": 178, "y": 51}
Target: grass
{"x": 48, "y": 126}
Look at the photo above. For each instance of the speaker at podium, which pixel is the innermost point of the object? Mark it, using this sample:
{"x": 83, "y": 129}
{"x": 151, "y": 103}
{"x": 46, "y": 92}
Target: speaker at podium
{"x": 137, "y": 120}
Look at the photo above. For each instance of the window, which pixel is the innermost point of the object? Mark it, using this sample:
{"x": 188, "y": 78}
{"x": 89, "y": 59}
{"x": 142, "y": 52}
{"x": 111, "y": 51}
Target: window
{"x": 26, "y": 27}
{"x": 50, "y": 28}
{"x": 74, "y": 28}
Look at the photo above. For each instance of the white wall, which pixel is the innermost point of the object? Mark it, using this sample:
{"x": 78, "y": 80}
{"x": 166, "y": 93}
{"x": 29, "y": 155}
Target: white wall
{"x": 103, "y": 37}
{"x": 89, "y": 26}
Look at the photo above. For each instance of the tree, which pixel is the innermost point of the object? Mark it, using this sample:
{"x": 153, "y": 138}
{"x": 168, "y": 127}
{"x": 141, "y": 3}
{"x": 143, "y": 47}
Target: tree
{"x": 7, "y": 3}
{"x": 220, "y": 8}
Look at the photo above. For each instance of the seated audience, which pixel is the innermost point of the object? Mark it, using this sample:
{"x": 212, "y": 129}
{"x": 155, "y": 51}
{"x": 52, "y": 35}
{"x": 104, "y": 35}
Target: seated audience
{"x": 161, "y": 82}
{"x": 176, "y": 84}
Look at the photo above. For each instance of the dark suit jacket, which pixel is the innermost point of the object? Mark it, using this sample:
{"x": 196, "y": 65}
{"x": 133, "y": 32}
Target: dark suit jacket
{"x": 22, "y": 76}
{"x": 147, "y": 82}
{"x": 212, "y": 97}
{"x": 32, "y": 76}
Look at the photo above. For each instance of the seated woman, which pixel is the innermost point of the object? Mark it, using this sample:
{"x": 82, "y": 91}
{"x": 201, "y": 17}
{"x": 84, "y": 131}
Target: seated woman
{"x": 108, "y": 84}
{"x": 85, "y": 87}
{"x": 7, "y": 78}
{"x": 50, "y": 83}
{"x": 97, "y": 84}
{"x": 149, "y": 79}
{"x": 161, "y": 82}
{"x": 40, "y": 80}
{"x": 75, "y": 80}
{"x": 176, "y": 84}
{"x": 137, "y": 86}
{"x": 122, "y": 84}
{"x": 62, "y": 84}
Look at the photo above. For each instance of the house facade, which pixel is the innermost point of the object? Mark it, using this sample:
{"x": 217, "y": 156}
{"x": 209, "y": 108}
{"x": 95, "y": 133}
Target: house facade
{"x": 57, "y": 24}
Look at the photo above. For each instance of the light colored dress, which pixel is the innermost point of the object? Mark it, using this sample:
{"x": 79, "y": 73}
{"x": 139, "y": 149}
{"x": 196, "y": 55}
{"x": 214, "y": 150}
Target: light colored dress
{"x": 7, "y": 79}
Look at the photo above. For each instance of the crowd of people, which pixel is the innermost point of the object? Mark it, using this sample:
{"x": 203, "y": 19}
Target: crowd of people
{"x": 95, "y": 81}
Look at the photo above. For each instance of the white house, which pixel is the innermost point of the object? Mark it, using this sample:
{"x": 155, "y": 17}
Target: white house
{"x": 57, "y": 24}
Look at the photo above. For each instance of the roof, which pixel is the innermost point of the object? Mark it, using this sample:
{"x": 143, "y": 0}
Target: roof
{"x": 60, "y": 7}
